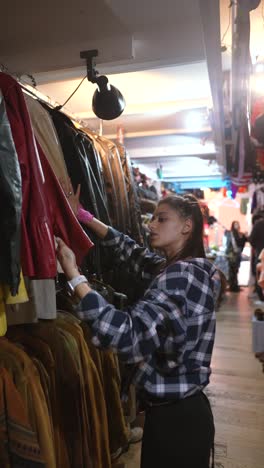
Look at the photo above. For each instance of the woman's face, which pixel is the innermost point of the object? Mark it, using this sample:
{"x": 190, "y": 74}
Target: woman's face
{"x": 237, "y": 225}
{"x": 168, "y": 230}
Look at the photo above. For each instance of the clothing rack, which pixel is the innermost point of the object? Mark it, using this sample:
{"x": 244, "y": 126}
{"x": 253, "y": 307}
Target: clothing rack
{"x": 46, "y": 99}
{"x": 64, "y": 405}
{"x": 34, "y": 92}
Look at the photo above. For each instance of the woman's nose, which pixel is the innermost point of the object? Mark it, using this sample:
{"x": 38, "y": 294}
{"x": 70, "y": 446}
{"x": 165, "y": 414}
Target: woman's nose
{"x": 152, "y": 225}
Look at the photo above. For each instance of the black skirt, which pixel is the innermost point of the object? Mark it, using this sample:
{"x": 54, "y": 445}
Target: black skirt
{"x": 178, "y": 434}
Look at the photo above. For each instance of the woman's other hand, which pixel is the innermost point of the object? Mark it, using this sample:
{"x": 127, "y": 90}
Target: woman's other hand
{"x": 67, "y": 259}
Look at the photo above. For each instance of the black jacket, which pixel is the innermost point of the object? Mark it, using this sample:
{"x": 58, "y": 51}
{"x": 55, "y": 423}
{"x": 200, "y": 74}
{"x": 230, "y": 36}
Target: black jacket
{"x": 10, "y": 204}
{"x": 256, "y": 237}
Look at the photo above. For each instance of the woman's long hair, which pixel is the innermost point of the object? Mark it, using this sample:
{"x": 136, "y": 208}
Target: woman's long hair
{"x": 187, "y": 206}
{"x": 233, "y": 228}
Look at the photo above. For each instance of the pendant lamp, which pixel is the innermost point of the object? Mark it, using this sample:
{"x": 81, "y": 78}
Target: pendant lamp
{"x": 108, "y": 102}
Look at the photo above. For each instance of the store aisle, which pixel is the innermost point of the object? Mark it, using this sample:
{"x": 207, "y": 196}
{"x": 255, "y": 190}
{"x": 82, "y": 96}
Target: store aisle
{"x": 236, "y": 391}
{"x": 237, "y": 388}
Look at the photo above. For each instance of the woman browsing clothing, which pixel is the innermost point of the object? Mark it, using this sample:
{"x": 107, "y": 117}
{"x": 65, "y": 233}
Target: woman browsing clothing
{"x": 235, "y": 243}
{"x": 168, "y": 334}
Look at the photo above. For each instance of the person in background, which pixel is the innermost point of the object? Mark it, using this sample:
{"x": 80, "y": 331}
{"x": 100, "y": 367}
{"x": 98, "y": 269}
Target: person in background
{"x": 256, "y": 240}
{"x": 260, "y": 270}
{"x": 168, "y": 335}
{"x": 235, "y": 243}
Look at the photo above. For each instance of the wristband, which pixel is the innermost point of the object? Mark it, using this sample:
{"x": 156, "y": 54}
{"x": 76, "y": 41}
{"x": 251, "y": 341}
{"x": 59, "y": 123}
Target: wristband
{"x": 73, "y": 283}
{"x": 84, "y": 216}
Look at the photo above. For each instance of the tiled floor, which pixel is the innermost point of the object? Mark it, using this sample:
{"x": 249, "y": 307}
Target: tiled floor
{"x": 236, "y": 391}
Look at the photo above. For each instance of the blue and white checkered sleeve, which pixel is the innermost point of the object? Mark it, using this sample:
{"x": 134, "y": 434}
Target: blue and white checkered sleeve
{"x": 139, "y": 260}
{"x": 134, "y": 334}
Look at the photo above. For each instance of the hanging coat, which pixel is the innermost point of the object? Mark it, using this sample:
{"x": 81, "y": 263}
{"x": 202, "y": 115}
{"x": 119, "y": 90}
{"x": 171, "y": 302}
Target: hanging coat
{"x": 38, "y": 256}
{"x": 10, "y": 205}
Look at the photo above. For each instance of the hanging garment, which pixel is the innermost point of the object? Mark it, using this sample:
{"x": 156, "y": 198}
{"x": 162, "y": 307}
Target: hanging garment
{"x": 96, "y": 184}
{"x": 3, "y": 322}
{"x": 75, "y": 417}
{"x": 118, "y": 430}
{"x": 111, "y": 193}
{"x": 133, "y": 199}
{"x": 258, "y": 200}
{"x": 256, "y": 237}
{"x": 80, "y": 159}
{"x": 76, "y": 165}
{"x": 41, "y": 195}
{"x": 44, "y": 381}
{"x": 37, "y": 249}
{"x": 44, "y": 297}
{"x": 130, "y": 404}
{"x": 20, "y": 297}
{"x": 29, "y": 387}
{"x": 64, "y": 222}
{"x": 37, "y": 347}
{"x": 93, "y": 397}
{"x": 245, "y": 155}
{"x": 47, "y": 137}
{"x": 244, "y": 205}
{"x": 6, "y": 298}
{"x": 257, "y": 110}
{"x": 119, "y": 177}
{"x": 122, "y": 209}
{"x": 18, "y": 442}
{"x": 107, "y": 366}
{"x": 41, "y": 303}
{"x": 11, "y": 204}
{"x": 96, "y": 164}
{"x": 68, "y": 388}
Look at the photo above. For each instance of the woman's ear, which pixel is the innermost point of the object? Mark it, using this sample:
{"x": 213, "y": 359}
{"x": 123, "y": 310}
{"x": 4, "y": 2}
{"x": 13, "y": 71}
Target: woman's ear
{"x": 187, "y": 227}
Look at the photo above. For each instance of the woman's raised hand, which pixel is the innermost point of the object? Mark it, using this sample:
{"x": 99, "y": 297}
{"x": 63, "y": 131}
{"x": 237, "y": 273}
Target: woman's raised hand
{"x": 73, "y": 198}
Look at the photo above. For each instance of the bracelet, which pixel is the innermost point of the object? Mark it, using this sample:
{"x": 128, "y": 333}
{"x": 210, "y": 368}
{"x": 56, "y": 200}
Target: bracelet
{"x": 84, "y": 216}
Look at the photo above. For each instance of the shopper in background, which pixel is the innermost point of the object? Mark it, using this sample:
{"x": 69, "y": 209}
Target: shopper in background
{"x": 260, "y": 270}
{"x": 256, "y": 240}
{"x": 168, "y": 335}
{"x": 235, "y": 243}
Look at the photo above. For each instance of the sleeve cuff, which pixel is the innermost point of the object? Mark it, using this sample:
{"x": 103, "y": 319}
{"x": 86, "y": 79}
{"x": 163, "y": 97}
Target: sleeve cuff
{"x": 112, "y": 237}
{"x": 92, "y": 300}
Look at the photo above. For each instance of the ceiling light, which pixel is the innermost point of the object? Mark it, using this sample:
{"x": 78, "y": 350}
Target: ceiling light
{"x": 194, "y": 121}
{"x": 259, "y": 67}
{"x": 108, "y": 103}
{"x": 257, "y": 83}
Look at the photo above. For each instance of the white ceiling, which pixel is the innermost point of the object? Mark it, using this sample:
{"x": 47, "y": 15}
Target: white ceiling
{"x": 153, "y": 49}
{"x": 42, "y": 37}
{"x": 153, "y": 98}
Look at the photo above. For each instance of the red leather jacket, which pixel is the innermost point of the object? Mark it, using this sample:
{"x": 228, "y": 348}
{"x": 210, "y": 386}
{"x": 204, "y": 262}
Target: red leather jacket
{"x": 45, "y": 209}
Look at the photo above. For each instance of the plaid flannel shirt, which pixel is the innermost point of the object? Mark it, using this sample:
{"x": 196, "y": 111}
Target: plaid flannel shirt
{"x": 169, "y": 333}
